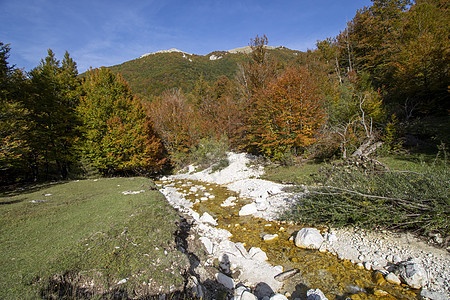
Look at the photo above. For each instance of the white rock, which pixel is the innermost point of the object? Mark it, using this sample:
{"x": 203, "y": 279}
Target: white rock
{"x": 240, "y": 247}
{"x": 225, "y": 280}
{"x": 247, "y": 295}
{"x": 229, "y": 202}
{"x": 331, "y": 237}
{"x": 123, "y": 281}
{"x": 278, "y": 297}
{"x": 309, "y": 238}
{"x": 412, "y": 274}
{"x": 270, "y": 237}
{"x": 208, "y": 219}
{"x": 208, "y": 244}
{"x": 248, "y": 209}
{"x": 392, "y": 278}
{"x": 315, "y": 294}
{"x": 433, "y": 295}
{"x": 257, "y": 254}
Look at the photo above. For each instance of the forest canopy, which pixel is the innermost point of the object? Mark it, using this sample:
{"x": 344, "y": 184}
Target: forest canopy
{"x": 361, "y": 89}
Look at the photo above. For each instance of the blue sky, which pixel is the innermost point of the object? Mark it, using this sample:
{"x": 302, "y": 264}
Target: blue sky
{"x": 108, "y": 32}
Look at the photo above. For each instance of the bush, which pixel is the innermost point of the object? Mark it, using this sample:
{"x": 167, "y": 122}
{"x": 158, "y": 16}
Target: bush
{"x": 367, "y": 195}
{"x": 210, "y": 152}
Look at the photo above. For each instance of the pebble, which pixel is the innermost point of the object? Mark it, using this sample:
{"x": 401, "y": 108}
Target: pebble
{"x": 270, "y": 237}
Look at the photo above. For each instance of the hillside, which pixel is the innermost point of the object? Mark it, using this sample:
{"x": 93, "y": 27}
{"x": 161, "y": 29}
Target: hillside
{"x": 153, "y": 73}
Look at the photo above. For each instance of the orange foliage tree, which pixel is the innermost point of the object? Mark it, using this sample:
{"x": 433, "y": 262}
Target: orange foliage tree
{"x": 176, "y": 121}
{"x": 287, "y": 115}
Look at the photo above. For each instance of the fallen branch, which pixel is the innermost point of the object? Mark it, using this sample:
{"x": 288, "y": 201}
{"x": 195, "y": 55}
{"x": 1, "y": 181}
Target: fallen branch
{"x": 370, "y": 196}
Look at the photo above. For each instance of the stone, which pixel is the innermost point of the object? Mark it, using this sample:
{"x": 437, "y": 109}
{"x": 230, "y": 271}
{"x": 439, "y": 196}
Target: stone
{"x": 257, "y": 254}
{"x": 278, "y": 297}
{"x": 208, "y": 219}
{"x": 208, "y": 244}
{"x": 412, "y": 274}
{"x": 270, "y": 237}
{"x": 225, "y": 280}
{"x": 240, "y": 247}
{"x": 396, "y": 259}
{"x": 315, "y": 294}
{"x": 432, "y": 295}
{"x": 247, "y": 295}
{"x": 286, "y": 275}
{"x": 392, "y": 278}
{"x": 248, "y": 209}
{"x": 263, "y": 290}
{"x": 309, "y": 238}
{"x": 229, "y": 202}
{"x": 224, "y": 264}
{"x": 380, "y": 293}
{"x": 331, "y": 237}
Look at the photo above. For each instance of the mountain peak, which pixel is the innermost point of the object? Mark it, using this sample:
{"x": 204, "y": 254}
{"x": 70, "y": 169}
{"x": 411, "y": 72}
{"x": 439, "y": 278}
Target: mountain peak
{"x": 247, "y": 49}
{"x": 164, "y": 51}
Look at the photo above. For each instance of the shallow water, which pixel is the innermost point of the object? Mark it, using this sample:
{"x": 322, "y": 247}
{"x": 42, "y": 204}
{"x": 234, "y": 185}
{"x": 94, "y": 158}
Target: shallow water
{"x": 338, "y": 279}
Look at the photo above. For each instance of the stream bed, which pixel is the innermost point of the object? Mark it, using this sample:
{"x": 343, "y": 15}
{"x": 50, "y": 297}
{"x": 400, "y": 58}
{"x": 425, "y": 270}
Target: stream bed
{"x": 336, "y": 278}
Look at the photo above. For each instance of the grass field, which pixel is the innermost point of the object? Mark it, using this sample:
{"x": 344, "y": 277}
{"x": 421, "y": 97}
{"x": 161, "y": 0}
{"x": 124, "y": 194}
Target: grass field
{"x": 81, "y": 238}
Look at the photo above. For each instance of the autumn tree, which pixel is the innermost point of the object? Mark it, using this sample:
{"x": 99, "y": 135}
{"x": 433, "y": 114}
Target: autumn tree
{"x": 287, "y": 115}
{"x": 118, "y": 136}
{"x": 176, "y": 121}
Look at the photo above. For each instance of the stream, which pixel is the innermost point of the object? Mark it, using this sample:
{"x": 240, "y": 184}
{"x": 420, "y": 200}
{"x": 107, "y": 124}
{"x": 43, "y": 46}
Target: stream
{"x": 336, "y": 278}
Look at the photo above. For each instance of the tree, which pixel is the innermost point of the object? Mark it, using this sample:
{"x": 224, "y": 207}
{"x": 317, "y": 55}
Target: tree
{"x": 52, "y": 121}
{"x": 176, "y": 121}
{"x": 287, "y": 115}
{"x": 118, "y": 136}
{"x": 13, "y": 143}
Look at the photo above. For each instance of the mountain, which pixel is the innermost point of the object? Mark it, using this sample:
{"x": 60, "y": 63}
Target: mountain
{"x": 153, "y": 73}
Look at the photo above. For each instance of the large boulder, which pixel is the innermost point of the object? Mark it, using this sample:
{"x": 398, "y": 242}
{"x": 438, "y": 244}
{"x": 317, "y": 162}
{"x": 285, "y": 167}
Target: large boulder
{"x": 225, "y": 280}
{"x": 413, "y": 274}
{"x": 309, "y": 238}
{"x": 208, "y": 219}
{"x": 248, "y": 209}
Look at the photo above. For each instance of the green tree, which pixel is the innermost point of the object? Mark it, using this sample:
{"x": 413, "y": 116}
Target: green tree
{"x": 118, "y": 136}
{"x": 13, "y": 144}
{"x": 52, "y": 120}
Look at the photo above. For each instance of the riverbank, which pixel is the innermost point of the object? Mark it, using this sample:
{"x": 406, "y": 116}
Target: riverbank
{"x": 378, "y": 252}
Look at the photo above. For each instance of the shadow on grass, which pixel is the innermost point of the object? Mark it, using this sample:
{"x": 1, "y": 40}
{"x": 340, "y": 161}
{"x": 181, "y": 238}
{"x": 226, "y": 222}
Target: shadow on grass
{"x": 21, "y": 189}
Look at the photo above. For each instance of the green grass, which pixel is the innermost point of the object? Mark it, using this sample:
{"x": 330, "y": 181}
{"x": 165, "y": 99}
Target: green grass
{"x": 86, "y": 237}
{"x": 297, "y": 174}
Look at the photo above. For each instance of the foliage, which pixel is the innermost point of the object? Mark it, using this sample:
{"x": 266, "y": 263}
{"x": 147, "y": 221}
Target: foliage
{"x": 94, "y": 233}
{"x": 210, "y": 152}
{"x": 363, "y": 194}
{"x": 52, "y": 120}
{"x": 154, "y": 74}
{"x": 404, "y": 48}
{"x": 287, "y": 114}
{"x": 118, "y": 135}
{"x": 175, "y": 121}
{"x": 13, "y": 125}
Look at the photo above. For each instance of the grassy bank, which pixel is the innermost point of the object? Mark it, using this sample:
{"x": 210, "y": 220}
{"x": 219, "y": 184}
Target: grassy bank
{"x": 80, "y": 239}
{"x": 411, "y": 194}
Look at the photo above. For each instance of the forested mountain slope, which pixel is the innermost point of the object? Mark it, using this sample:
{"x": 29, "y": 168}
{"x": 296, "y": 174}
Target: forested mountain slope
{"x": 152, "y": 74}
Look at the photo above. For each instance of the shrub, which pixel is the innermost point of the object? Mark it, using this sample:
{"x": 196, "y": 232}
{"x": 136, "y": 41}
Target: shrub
{"x": 364, "y": 194}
